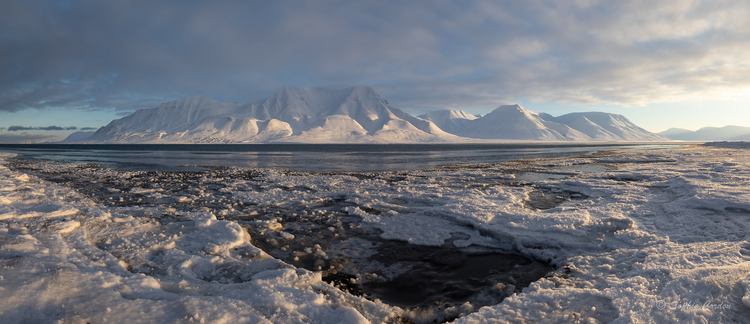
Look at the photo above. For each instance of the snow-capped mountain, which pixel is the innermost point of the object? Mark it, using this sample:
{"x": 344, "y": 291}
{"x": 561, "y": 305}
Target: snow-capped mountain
{"x": 518, "y": 123}
{"x": 352, "y": 115}
{"x": 451, "y": 121}
{"x": 593, "y": 130}
{"x": 674, "y": 132}
{"x": 726, "y": 133}
{"x": 602, "y": 126}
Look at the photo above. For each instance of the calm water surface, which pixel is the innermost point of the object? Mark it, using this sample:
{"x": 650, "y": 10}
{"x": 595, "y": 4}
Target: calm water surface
{"x": 304, "y": 157}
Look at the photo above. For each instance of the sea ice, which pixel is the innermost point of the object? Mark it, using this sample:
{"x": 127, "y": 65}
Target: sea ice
{"x": 634, "y": 236}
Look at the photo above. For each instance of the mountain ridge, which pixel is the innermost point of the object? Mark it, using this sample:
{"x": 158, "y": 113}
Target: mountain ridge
{"x": 726, "y": 133}
{"x": 449, "y": 120}
{"x": 351, "y": 115}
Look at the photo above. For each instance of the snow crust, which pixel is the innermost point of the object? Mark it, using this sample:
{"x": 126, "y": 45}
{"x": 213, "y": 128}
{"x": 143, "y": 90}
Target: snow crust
{"x": 65, "y": 259}
{"x": 653, "y": 236}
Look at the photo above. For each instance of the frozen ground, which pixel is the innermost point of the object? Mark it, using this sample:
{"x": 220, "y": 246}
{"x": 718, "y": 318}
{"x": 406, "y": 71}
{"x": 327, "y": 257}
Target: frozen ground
{"x": 633, "y": 236}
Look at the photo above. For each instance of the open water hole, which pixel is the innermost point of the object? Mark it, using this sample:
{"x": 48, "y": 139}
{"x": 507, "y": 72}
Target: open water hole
{"x": 433, "y": 283}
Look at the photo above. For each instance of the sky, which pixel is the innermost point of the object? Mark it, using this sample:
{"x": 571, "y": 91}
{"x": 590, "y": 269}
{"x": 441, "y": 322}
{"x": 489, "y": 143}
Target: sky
{"x": 76, "y": 65}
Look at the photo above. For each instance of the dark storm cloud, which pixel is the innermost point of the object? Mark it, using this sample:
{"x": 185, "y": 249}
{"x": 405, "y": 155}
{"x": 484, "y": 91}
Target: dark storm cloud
{"x": 47, "y": 128}
{"x": 424, "y": 55}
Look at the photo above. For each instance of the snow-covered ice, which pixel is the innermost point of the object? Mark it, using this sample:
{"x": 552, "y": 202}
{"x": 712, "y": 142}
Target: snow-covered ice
{"x": 67, "y": 259}
{"x": 633, "y": 236}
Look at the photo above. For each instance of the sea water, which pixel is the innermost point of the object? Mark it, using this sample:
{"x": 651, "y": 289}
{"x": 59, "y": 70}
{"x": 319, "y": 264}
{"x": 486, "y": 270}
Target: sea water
{"x": 303, "y": 157}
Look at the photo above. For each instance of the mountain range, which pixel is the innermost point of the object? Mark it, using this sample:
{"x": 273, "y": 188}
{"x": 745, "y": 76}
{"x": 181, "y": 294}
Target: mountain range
{"x": 726, "y": 133}
{"x": 352, "y": 115}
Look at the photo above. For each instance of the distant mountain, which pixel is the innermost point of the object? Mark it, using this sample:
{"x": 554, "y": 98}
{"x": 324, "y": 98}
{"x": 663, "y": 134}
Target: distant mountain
{"x": 518, "y": 123}
{"x": 726, "y": 133}
{"x": 352, "y": 115}
{"x": 611, "y": 127}
{"x": 745, "y": 137}
{"x": 77, "y": 136}
{"x": 674, "y": 132}
{"x": 451, "y": 121}
{"x": 305, "y": 115}
{"x": 593, "y": 130}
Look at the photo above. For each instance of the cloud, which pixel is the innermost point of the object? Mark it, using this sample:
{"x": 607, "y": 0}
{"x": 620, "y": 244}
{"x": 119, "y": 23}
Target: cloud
{"x": 48, "y": 128}
{"x": 420, "y": 55}
{"x": 88, "y": 128}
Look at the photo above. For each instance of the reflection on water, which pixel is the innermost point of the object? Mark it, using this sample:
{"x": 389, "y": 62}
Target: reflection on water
{"x": 313, "y": 157}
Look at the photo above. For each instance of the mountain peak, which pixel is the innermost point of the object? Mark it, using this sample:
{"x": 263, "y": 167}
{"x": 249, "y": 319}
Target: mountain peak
{"x": 674, "y": 131}
{"x": 612, "y": 125}
{"x": 351, "y": 115}
{"x": 362, "y": 88}
{"x": 516, "y": 111}
{"x": 512, "y": 107}
{"x": 193, "y": 101}
{"x": 513, "y": 122}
